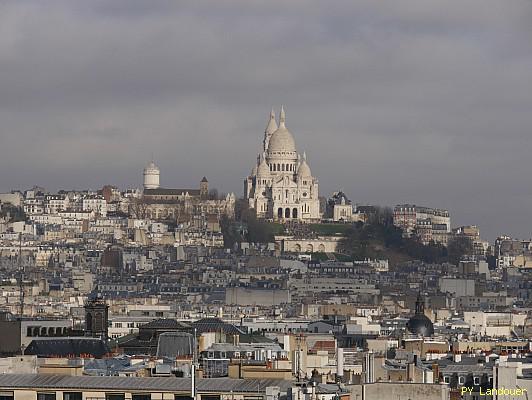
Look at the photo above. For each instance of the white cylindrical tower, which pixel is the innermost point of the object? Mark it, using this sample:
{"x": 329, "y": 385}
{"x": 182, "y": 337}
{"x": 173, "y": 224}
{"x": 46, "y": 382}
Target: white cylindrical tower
{"x": 151, "y": 176}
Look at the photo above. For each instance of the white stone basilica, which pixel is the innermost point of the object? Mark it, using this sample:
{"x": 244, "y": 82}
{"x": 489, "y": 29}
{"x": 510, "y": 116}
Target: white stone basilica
{"x": 281, "y": 186}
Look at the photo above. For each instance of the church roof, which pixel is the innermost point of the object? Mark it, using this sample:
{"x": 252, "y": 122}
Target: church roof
{"x": 420, "y": 324}
{"x": 170, "y": 192}
{"x": 272, "y": 124}
{"x": 263, "y": 169}
{"x": 151, "y": 166}
{"x": 282, "y": 139}
{"x": 204, "y": 179}
{"x": 304, "y": 169}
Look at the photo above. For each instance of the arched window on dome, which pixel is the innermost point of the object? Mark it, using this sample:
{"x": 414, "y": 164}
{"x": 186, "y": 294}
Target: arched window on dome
{"x": 287, "y": 213}
{"x": 280, "y": 213}
{"x": 282, "y": 167}
{"x": 278, "y": 167}
{"x": 294, "y": 213}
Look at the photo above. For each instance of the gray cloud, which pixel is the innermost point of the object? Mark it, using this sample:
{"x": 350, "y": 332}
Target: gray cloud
{"x": 394, "y": 101}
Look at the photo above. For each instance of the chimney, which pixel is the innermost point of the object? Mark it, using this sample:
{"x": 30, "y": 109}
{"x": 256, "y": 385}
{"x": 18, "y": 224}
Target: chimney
{"x": 340, "y": 362}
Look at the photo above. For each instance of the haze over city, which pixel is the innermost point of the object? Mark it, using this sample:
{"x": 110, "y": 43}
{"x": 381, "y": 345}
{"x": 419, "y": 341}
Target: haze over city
{"x": 393, "y": 102}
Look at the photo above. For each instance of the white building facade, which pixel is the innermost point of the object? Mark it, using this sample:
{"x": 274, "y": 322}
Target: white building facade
{"x": 281, "y": 186}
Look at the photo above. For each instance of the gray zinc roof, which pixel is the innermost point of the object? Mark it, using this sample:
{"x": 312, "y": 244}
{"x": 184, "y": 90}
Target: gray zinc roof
{"x": 32, "y": 381}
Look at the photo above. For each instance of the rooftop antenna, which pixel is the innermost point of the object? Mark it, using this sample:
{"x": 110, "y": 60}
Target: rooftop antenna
{"x": 21, "y": 275}
{"x": 193, "y": 367}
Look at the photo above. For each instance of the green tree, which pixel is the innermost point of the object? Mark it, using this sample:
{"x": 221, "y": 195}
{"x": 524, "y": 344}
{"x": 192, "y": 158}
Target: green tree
{"x": 458, "y": 247}
{"x": 230, "y": 232}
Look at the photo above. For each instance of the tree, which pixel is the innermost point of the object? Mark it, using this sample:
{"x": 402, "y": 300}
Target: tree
{"x": 138, "y": 208}
{"x": 257, "y": 231}
{"x": 230, "y": 232}
{"x": 15, "y": 214}
{"x": 458, "y": 247}
{"x": 364, "y": 241}
{"x": 382, "y": 216}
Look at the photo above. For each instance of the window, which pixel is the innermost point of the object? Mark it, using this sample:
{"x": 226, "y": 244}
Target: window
{"x": 461, "y": 380}
{"x": 113, "y": 396}
{"x": 7, "y": 396}
{"x": 446, "y": 379}
{"x": 46, "y": 396}
{"x": 476, "y": 380}
{"x": 72, "y": 396}
{"x": 141, "y": 396}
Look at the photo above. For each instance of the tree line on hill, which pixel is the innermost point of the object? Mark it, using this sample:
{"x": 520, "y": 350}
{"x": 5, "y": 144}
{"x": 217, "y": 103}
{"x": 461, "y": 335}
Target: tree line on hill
{"x": 245, "y": 227}
{"x": 369, "y": 240}
{"x": 361, "y": 240}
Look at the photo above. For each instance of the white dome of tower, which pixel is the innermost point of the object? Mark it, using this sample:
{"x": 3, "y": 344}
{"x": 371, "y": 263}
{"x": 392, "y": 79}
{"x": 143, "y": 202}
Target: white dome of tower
{"x": 281, "y": 140}
{"x": 304, "y": 169}
{"x": 151, "y": 176}
{"x": 268, "y": 132}
{"x": 263, "y": 169}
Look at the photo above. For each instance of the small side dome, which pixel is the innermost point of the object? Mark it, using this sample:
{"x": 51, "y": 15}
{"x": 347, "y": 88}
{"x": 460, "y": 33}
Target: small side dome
{"x": 263, "y": 169}
{"x": 304, "y": 170}
{"x": 272, "y": 124}
{"x": 419, "y": 324}
{"x": 151, "y": 167}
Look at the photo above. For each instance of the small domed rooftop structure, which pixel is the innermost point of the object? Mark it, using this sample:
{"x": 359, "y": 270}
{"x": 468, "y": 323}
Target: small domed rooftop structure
{"x": 419, "y": 324}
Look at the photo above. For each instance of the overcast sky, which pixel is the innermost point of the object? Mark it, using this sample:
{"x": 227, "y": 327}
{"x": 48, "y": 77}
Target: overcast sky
{"x": 427, "y": 102}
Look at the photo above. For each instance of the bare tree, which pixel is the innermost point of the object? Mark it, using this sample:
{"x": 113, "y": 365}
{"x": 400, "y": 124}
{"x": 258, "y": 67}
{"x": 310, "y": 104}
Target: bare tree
{"x": 138, "y": 208}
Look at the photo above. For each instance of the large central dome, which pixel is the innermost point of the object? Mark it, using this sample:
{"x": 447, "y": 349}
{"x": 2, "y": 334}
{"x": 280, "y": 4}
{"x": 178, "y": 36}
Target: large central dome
{"x": 282, "y": 140}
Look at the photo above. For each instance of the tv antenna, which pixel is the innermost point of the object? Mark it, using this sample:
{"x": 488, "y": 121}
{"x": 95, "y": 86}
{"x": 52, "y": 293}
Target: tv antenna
{"x": 21, "y": 275}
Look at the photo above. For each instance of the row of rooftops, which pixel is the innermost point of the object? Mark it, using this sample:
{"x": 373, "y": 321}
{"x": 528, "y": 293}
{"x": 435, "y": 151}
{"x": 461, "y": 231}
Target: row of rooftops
{"x": 183, "y": 385}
